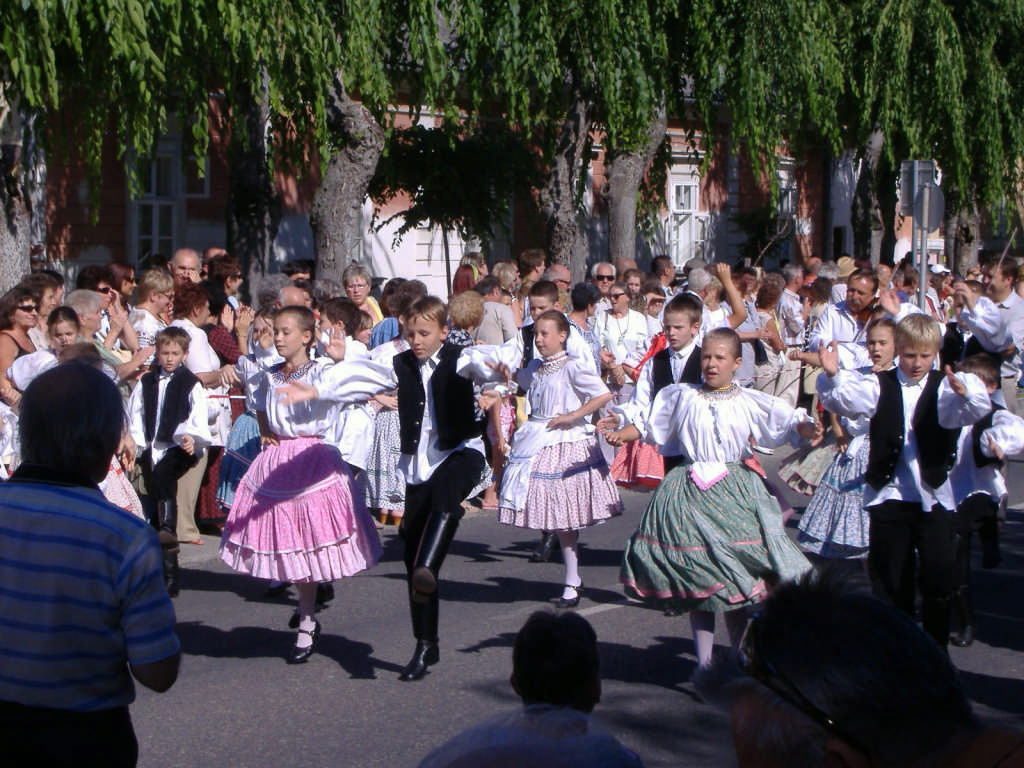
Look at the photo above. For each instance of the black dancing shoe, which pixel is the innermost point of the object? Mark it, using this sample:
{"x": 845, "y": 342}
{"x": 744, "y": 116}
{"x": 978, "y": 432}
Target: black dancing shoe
{"x": 301, "y": 655}
{"x": 277, "y": 589}
{"x": 426, "y": 655}
{"x": 963, "y": 638}
{"x": 571, "y": 602}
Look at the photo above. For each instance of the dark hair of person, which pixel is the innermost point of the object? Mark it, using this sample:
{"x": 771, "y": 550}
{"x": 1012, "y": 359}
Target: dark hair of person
{"x": 300, "y": 266}
{"x": 220, "y": 268}
{"x": 344, "y": 311}
{"x": 529, "y": 260}
{"x": 864, "y": 274}
{"x": 659, "y": 264}
{"x": 387, "y": 294}
{"x": 40, "y": 282}
{"x": 218, "y": 299}
{"x": 66, "y": 432}
{"x": 488, "y": 285}
{"x": 83, "y": 352}
{"x": 407, "y": 294}
{"x": 982, "y": 366}
{"x": 687, "y": 305}
{"x": 172, "y": 334}
{"x": 63, "y": 315}
{"x": 119, "y": 273}
{"x": 884, "y": 684}
{"x": 584, "y": 295}
{"x": 10, "y": 302}
{"x": 57, "y": 276}
{"x": 819, "y": 292}
{"x": 555, "y": 661}
{"x": 92, "y": 275}
{"x": 544, "y": 289}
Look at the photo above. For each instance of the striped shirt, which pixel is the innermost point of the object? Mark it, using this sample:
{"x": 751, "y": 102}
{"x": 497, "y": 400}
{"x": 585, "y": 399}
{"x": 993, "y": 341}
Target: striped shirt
{"x": 81, "y": 596}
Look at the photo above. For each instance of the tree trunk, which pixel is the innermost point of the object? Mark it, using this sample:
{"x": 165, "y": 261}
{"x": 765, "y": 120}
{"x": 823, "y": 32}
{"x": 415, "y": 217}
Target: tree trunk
{"x": 885, "y": 196}
{"x": 254, "y": 203}
{"x": 962, "y": 235}
{"x": 566, "y": 242}
{"x": 624, "y": 171}
{"x": 865, "y": 216}
{"x": 337, "y": 215}
{"x": 15, "y": 220}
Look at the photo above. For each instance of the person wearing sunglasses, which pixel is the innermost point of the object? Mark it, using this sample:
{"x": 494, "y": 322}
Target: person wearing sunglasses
{"x": 18, "y": 315}
{"x": 828, "y": 675}
{"x": 115, "y": 331}
{"x": 602, "y": 275}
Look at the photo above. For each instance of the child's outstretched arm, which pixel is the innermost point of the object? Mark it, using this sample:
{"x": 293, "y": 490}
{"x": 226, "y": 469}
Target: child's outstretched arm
{"x": 565, "y": 420}
{"x": 963, "y": 400}
{"x": 346, "y": 382}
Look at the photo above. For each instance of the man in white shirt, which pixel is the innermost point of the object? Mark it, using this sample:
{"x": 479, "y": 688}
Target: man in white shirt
{"x": 602, "y": 275}
{"x": 999, "y": 278}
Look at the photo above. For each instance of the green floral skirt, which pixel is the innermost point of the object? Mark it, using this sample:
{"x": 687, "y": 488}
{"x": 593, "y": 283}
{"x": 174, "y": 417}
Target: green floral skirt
{"x": 713, "y": 549}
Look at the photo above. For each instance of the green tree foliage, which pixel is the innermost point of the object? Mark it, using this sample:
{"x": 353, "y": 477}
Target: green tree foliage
{"x": 764, "y": 74}
{"x": 942, "y": 79}
{"x": 459, "y": 182}
{"x": 123, "y": 64}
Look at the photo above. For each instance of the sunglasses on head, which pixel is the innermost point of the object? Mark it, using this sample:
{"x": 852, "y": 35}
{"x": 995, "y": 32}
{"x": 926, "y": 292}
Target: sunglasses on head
{"x": 757, "y": 664}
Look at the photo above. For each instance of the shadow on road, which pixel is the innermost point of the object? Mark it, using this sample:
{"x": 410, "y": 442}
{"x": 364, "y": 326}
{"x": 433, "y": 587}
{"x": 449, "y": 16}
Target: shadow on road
{"x": 356, "y": 658}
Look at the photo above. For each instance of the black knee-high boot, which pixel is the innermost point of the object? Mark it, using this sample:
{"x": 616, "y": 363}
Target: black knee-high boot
{"x": 963, "y": 609}
{"x": 989, "y": 535}
{"x": 167, "y": 524}
{"x": 434, "y": 545}
{"x": 424, "y": 610}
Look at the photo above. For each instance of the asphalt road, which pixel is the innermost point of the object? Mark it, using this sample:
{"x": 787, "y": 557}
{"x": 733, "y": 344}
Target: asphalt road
{"x": 237, "y": 703}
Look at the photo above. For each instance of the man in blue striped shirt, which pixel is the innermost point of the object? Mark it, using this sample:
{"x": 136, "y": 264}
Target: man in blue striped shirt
{"x": 83, "y": 607}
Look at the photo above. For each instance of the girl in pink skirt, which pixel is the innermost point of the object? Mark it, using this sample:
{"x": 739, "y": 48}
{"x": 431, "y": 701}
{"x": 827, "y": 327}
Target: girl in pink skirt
{"x": 556, "y": 478}
{"x": 295, "y": 516}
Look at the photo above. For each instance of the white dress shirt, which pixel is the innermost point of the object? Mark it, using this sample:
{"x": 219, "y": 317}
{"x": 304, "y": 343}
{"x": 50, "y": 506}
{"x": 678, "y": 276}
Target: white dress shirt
{"x": 196, "y": 425}
{"x": 1012, "y": 309}
{"x": 636, "y": 410}
{"x": 418, "y": 467}
{"x": 968, "y": 479}
{"x": 852, "y": 394}
{"x": 791, "y": 318}
{"x": 358, "y": 380}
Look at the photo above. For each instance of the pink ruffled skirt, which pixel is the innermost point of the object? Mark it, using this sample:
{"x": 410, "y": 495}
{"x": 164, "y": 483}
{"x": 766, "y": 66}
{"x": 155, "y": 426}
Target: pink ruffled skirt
{"x": 295, "y": 517}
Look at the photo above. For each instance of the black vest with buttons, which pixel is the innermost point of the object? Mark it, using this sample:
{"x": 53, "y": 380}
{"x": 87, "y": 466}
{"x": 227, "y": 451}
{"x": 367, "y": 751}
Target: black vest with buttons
{"x": 980, "y": 459}
{"x": 177, "y": 403}
{"x": 454, "y": 416}
{"x": 661, "y": 370}
{"x": 936, "y": 446}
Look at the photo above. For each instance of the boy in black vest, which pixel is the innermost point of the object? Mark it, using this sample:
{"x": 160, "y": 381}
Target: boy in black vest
{"x": 678, "y": 363}
{"x": 442, "y": 459}
{"x": 979, "y": 488}
{"x": 169, "y": 423}
{"x": 916, "y": 415}
{"x": 442, "y": 454}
